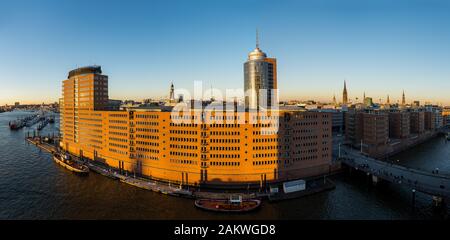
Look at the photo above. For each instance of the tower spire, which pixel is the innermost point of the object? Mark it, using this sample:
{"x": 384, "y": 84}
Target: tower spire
{"x": 172, "y": 92}
{"x": 212, "y": 95}
{"x": 403, "y": 98}
{"x": 257, "y": 38}
{"x": 344, "y": 93}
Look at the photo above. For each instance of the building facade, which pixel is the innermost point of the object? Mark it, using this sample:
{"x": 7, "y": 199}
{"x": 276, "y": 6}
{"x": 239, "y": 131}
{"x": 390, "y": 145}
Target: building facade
{"x": 399, "y": 124}
{"x": 376, "y": 129}
{"x": 206, "y": 147}
{"x": 354, "y": 125}
{"x": 417, "y": 120}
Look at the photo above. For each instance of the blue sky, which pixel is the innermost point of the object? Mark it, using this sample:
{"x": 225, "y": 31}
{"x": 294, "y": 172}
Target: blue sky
{"x": 380, "y": 47}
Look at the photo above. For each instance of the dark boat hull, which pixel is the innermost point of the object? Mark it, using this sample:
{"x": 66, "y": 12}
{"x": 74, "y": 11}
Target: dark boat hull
{"x": 76, "y": 168}
{"x": 225, "y": 206}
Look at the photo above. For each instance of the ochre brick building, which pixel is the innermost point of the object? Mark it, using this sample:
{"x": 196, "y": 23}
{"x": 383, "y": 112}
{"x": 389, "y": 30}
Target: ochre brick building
{"x": 208, "y": 146}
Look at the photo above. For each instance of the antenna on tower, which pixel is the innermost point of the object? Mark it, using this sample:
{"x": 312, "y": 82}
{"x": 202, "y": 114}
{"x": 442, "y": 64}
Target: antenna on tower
{"x": 212, "y": 95}
{"x": 257, "y": 38}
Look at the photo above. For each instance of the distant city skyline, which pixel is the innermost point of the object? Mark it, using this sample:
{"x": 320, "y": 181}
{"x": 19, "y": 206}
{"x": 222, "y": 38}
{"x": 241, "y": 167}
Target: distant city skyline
{"x": 379, "y": 47}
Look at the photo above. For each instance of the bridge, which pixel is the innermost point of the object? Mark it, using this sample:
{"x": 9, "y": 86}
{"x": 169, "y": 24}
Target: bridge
{"x": 433, "y": 183}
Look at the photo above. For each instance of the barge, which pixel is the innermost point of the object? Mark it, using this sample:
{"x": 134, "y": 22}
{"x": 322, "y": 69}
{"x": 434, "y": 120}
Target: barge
{"x": 234, "y": 204}
{"x": 65, "y": 161}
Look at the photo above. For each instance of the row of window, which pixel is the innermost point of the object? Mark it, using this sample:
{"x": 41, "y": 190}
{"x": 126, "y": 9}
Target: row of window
{"x": 147, "y": 136}
{"x": 117, "y": 121}
{"x": 89, "y": 124}
{"x": 265, "y": 132}
{"x": 179, "y": 161}
{"x": 271, "y": 162}
{"x": 224, "y": 117}
{"x": 308, "y": 151}
{"x": 184, "y": 154}
{"x": 267, "y": 147}
{"x": 151, "y": 130}
{"x": 225, "y": 155}
{"x": 117, "y": 151}
{"x": 225, "y": 164}
{"x": 225, "y": 133}
{"x": 265, "y": 155}
{"x": 221, "y": 140}
{"x": 265, "y": 140}
{"x": 118, "y": 127}
{"x": 147, "y": 123}
{"x": 118, "y": 139}
{"x": 119, "y": 133}
{"x": 183, "y": 139}
{"x": 183, "y": 132}
{"x": 306, "y": 123}
{"x": 141, "y": 149}
{"x": 118, "y": 145}
{"x": 178, "y": 146}
{"x": 147, "y": 116}
{"x": 225, "y": 148}
{"x": 148, "y": 143}
{"x": 305, "y": 137}
{"x": 183, "y": 124}
{"x": 143, "y": 156}
{"x": 116, "y": 115}
{"x": 217, "y": 125}
{"x": 305, "y": 158}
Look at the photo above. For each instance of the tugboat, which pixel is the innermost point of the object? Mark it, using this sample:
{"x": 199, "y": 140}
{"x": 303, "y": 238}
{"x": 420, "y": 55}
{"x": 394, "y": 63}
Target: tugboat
{"x": 234, "y": 204}
{"x": 65, "y": 161}
{"x": 16, "y": 125}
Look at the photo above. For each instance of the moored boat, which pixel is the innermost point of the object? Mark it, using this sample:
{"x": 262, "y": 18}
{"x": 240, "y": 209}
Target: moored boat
{"x": 234, "y": 204}
{"x": 65, "y": 161}
{"x": 42, "y": 124}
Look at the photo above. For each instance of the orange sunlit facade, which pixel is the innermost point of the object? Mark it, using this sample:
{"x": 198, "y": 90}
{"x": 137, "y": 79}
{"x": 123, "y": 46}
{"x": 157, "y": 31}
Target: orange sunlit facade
{"x": 206, "y": 146}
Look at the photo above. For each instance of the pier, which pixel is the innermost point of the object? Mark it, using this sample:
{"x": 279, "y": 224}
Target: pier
{"x": 50, "y": 145}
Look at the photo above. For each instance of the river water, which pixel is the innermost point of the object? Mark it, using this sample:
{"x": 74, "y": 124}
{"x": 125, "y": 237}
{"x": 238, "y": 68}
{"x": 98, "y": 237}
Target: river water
{"x": 32, "y": 186}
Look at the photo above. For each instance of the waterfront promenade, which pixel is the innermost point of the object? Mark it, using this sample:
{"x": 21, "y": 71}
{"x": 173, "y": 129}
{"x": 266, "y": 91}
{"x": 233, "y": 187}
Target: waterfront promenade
{"x": 147, "y": 184}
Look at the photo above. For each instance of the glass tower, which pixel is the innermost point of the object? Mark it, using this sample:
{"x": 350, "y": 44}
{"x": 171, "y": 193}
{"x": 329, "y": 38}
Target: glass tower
{"x": 260, "y": 80}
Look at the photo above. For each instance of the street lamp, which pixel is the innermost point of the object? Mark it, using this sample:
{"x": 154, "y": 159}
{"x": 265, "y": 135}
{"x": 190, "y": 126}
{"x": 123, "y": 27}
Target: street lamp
{"x": 339, "y": 147}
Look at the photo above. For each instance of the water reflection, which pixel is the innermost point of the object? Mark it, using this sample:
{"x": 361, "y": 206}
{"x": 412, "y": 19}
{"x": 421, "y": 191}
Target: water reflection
{"x": 33, "y": 187}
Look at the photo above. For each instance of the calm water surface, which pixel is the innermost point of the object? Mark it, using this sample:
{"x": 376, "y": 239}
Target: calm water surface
{"x": 32, "y": 186}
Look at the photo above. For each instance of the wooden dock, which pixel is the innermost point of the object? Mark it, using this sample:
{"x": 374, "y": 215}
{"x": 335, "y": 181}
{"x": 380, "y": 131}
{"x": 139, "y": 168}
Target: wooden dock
{"x": 41, "y": 144}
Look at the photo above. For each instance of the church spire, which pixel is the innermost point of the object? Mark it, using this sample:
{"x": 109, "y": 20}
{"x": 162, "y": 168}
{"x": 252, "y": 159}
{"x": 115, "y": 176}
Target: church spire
{"x": 403, "y": 98}
{"x": 172, "y": 92}
{"x": 344, "y": 93}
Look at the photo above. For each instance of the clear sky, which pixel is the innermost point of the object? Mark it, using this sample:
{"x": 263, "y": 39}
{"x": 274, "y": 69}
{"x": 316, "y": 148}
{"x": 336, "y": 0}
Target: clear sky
{"x": 380, "y": 47}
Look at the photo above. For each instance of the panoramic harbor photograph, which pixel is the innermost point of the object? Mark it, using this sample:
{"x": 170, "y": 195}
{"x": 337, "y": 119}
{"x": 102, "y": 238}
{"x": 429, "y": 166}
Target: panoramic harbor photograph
{"x": 206, "y": 112}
